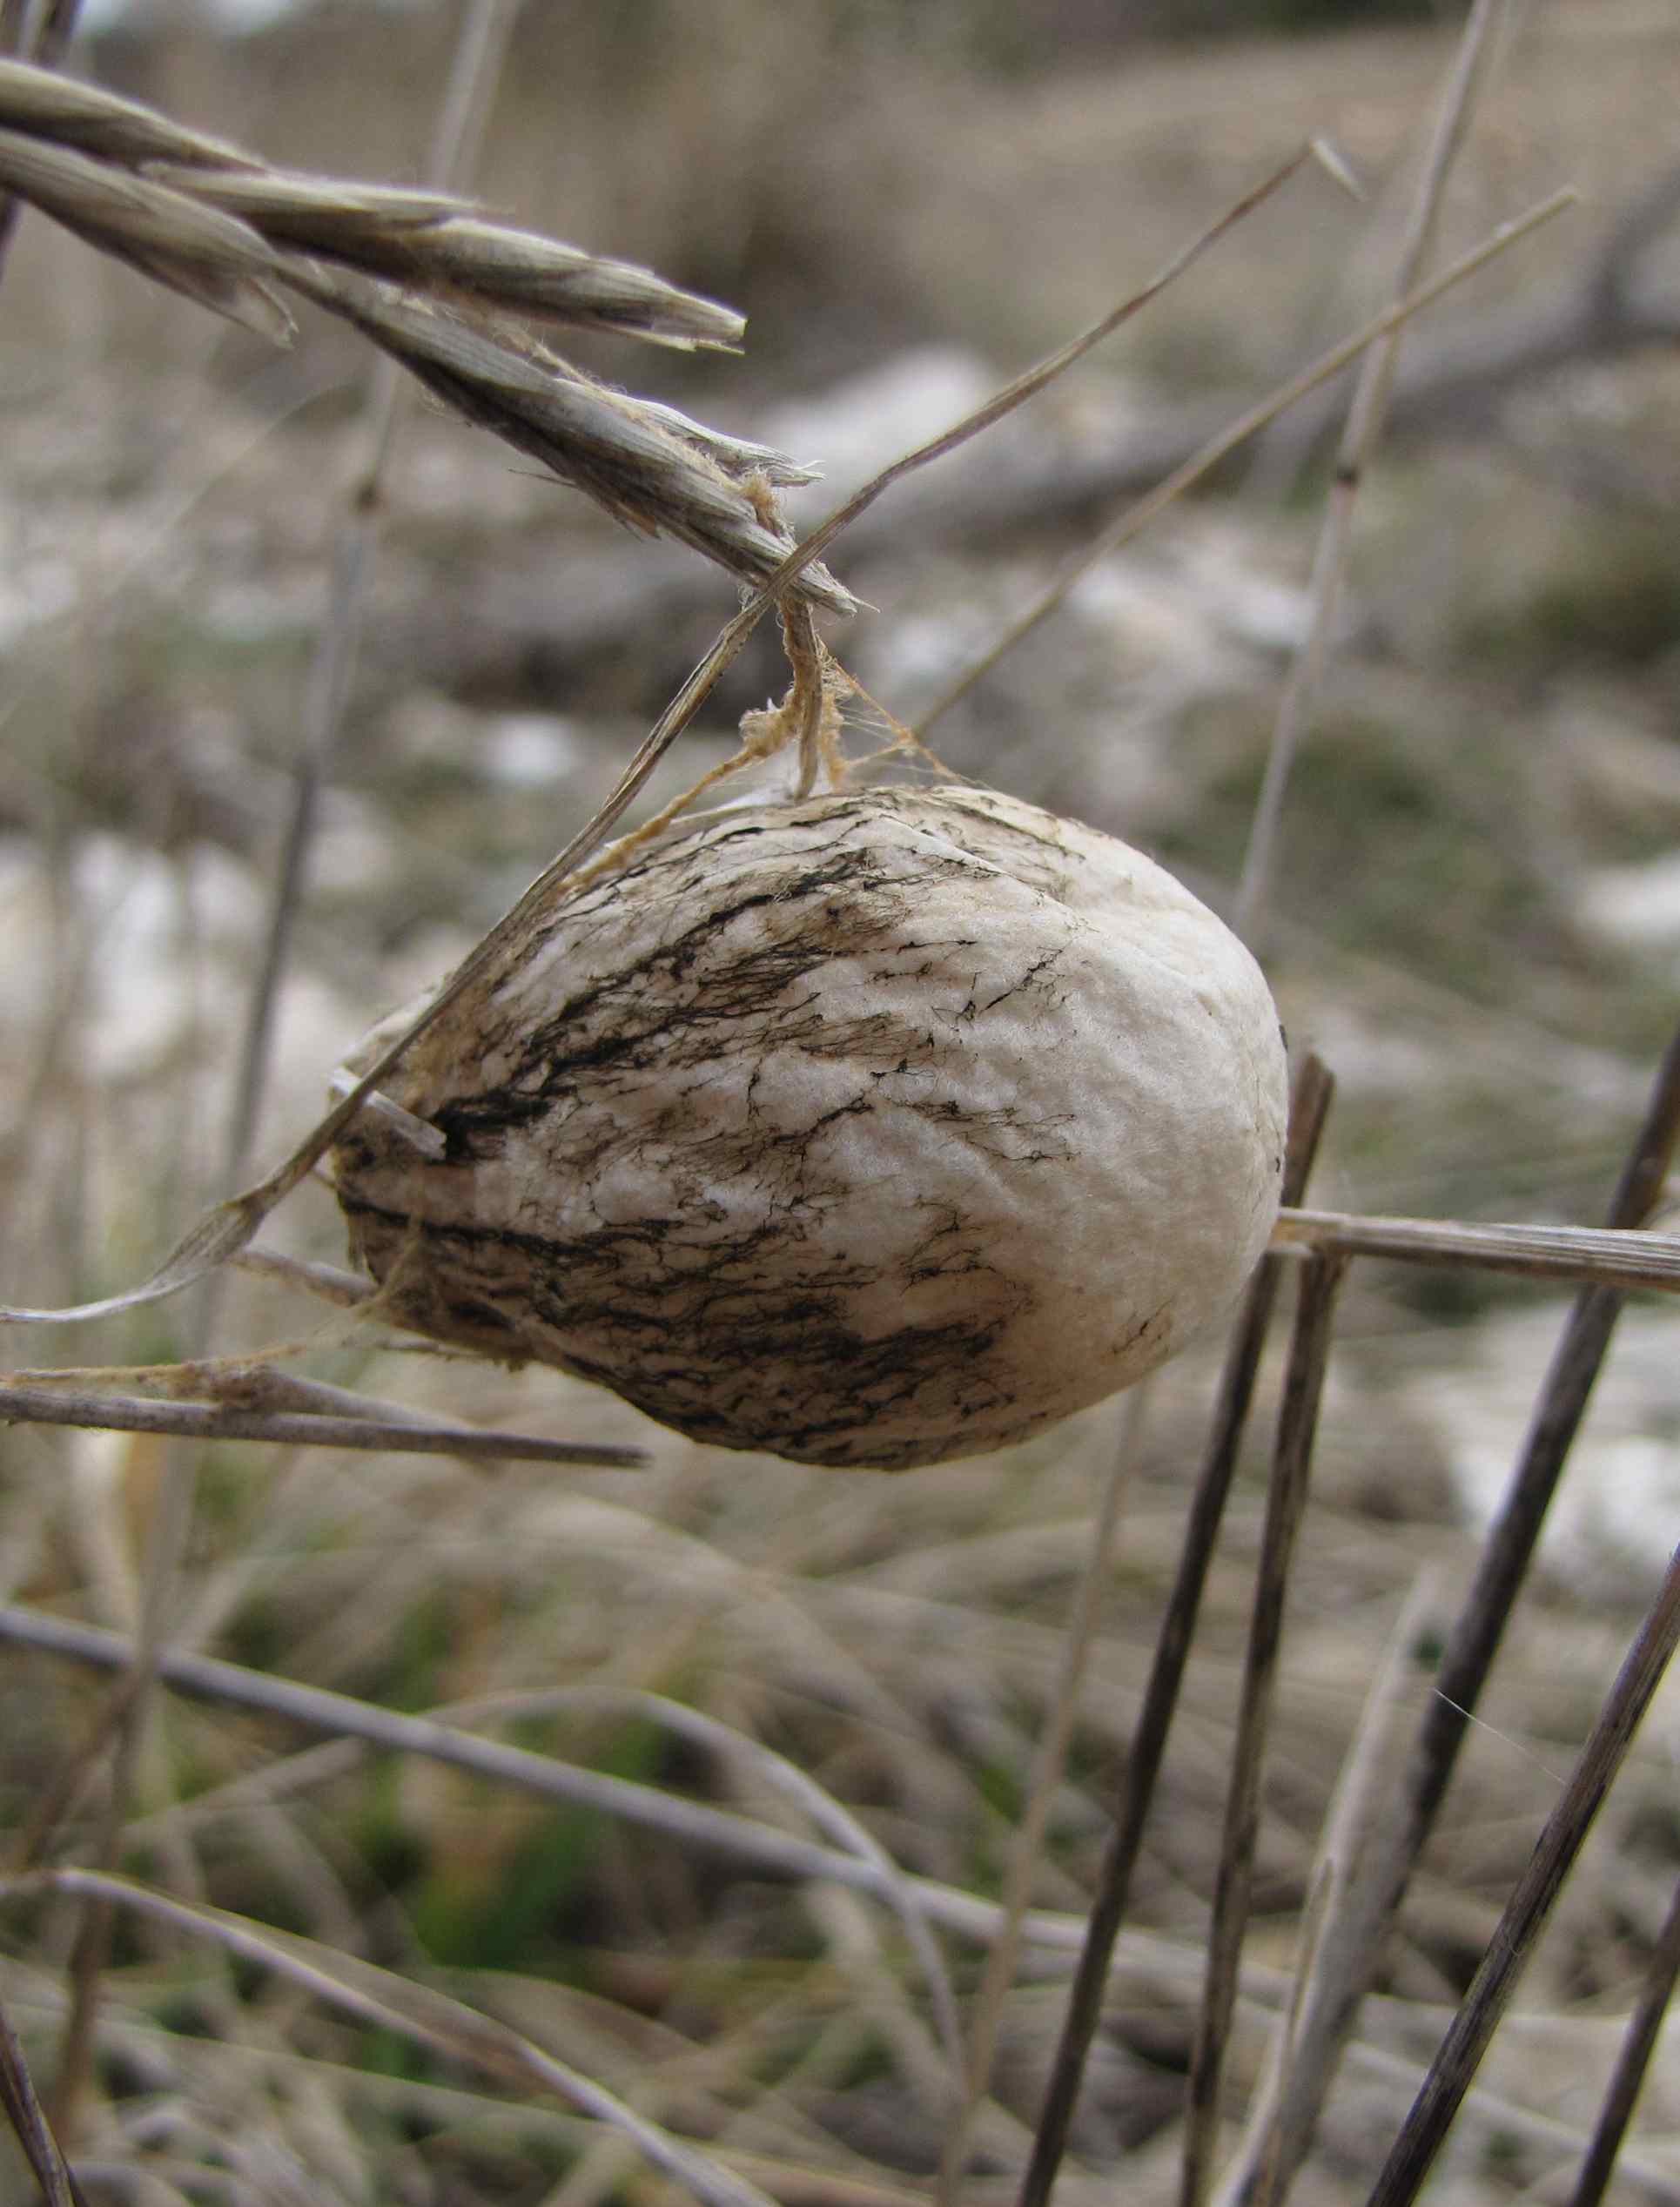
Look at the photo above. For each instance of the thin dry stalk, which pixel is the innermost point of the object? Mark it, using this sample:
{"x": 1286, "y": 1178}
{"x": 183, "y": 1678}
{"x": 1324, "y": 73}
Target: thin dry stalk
{"x": 48, "y": 39}
{"x": 1308, "y": 1107}
{"x": 75, "y": 1773}
{"x": 298, "y": 1429}
{"x": 87, "y": 1962}
{"x": 1662, "y": 1974}
{"x": 130, "y": 1705}
{"x": 477, "y": 64}
{"x": 244, "y": 1383}
{"x": 1531, "y": 1902}
{"x": 328, "y": 687}
{"x": 1356, "y": 1935}
{"x": 1036, "y": 378}
{"x": 1049, "y": 1761}
{"x": 1359, "y": 439}
{"x": 1136, "y": 517}
{"x": 1313, "y": 1917}
{"x": 326, "y": 1283}
{"x": 34, "y": 2133}
{"x": 1303, "y": 1388}
{"x": 1605, "y": 1257}
{"x": 1358, "y": 1789}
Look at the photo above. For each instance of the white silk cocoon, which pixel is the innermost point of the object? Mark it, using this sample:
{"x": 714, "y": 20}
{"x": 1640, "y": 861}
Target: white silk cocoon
{"x": 870, "y": 1130}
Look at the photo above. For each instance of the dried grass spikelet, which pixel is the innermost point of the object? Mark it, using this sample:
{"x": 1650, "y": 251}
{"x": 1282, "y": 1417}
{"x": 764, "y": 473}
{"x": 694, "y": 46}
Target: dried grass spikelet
{"x": 871, "y": 1129}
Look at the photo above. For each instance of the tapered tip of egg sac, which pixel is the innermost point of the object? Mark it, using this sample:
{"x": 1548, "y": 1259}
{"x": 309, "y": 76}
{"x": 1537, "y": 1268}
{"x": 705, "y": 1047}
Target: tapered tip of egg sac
{"x": 873, "y": 1130}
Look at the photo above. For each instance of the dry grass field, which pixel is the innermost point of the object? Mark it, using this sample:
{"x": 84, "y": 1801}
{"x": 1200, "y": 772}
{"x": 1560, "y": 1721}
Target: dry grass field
{"x": 759, "y": 1743}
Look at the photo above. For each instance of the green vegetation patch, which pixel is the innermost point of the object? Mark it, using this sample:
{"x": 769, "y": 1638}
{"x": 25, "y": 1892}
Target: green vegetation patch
{"x": 1604, "y": 588}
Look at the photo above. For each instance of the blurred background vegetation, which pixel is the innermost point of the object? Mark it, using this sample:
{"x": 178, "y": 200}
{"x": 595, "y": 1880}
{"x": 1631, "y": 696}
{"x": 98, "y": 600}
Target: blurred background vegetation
{"x": 1476, "y": 917}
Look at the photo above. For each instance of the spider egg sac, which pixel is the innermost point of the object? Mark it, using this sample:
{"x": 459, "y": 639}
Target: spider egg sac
{"x": 871, "y": 1129}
